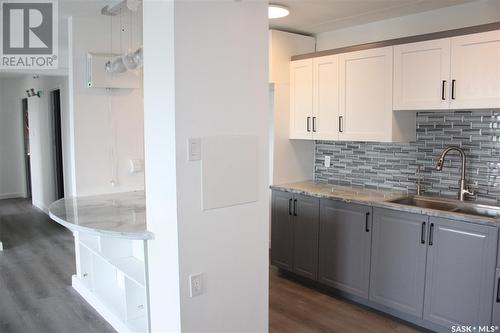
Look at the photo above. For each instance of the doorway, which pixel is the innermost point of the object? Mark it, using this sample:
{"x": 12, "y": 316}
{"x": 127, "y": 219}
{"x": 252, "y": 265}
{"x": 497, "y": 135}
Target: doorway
{"x": 27, "y": 156}
{"x": 55, "y": 103}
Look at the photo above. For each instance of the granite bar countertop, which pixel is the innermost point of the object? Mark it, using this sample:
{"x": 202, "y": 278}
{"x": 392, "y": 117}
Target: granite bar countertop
{"x": 376, "y": 198}
{"x": 121, "y": 215}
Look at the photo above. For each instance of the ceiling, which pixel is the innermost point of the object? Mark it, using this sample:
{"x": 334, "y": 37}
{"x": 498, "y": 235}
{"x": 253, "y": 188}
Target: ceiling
{"x": 315, "y": 16}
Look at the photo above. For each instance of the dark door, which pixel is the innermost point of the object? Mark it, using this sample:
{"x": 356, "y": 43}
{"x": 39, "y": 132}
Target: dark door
{"x": 305, "y": 236}
{"x": 460, "y": 273}
{"x": 282, "y": 230}
{"x": 26, "y": 135}
{"x": 399, "y": 252}
{"x": 344, "y": 246}
{"x": 58, "y": 154}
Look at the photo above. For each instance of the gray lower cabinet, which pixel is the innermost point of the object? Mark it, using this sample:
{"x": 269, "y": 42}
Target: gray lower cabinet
{"x": 439, "y": 270}
{"x": 495, "y": 321}
{"x": 282, "y": 230}
{"x": 398, "y": 260}
{"x": 306, "y": 233}
{"x": 345, "y": 246}
{"x": 294, "y": 233}
{"x": 461, "y": 262}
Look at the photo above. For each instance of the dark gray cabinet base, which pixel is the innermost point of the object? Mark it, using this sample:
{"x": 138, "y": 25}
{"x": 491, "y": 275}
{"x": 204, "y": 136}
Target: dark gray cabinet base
{"x": 433, "y": 272}
{"x": 294, "y": 233}
{"x": 344, "y": 246}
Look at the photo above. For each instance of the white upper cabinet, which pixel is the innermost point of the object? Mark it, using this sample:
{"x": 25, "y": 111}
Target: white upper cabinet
{"x": 422, "y": 75}
{"x": 325, "y": 98}
{"x": 451, "y": 73}
{"x": 363, "y": 95}
{"x": 366, "y": 98}
{"x": 475, "y": 70}
{"x": 301, "y": 99}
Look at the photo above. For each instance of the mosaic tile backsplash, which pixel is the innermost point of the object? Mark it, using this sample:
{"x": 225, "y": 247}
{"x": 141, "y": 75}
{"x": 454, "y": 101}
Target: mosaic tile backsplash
{"x": 394, "y": 165}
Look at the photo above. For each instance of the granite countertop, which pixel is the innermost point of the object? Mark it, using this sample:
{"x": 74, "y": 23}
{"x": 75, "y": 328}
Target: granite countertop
{"x": 121, "y": 215}
{"x": 375, "y": 198}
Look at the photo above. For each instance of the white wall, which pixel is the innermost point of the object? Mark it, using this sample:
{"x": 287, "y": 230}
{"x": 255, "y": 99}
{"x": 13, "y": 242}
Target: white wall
{"x": 470, "y": 14}
{"x": 215, "y": 83}
{"x": 292, "y": 160}
{"x": 104, "y": 120}
{"x": 12, "y": 174}
{"x": 41, "y": 134}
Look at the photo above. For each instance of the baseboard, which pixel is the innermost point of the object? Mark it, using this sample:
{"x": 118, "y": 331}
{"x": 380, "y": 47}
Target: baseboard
{"x": 11, "y": 196}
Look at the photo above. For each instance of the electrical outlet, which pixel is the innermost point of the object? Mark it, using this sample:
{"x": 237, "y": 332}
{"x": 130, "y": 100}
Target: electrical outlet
{"x": 327, "y": 161}
{"x": 196, "y": 285}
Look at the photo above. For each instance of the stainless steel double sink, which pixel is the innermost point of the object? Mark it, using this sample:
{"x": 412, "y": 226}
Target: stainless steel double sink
{"x": 449, "y": 205}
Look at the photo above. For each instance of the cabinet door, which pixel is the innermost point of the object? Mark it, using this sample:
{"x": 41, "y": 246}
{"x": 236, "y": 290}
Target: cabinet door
{"x": 301, "y": 99}
{"x": 398, "y": 260}
{"x": 475, "y": 70}
{"x": 282, "y": 230}
{"x": 495, "y": 321}
{"x": 325, "y": 98}
{"x": 461, "y": 262}
{"x": 422, "y": 75}
{"x": 366, "y": 95}
{"x": 306, "y": 228}
{"x": 344, "y": 246}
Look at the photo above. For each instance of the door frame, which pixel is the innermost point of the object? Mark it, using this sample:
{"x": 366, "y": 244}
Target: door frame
{"x": 26, "y": 146}
{"x": 55, "y": 106}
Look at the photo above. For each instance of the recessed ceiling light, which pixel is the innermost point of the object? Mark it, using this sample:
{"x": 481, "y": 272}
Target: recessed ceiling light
{"x": 277, "y": 11}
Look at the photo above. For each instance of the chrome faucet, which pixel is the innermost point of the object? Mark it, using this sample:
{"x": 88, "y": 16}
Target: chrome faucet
{"x": 464, "y": 190}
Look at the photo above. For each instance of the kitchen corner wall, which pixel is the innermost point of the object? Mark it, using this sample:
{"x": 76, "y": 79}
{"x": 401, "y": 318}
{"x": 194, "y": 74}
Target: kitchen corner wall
{"x": 393, "y": 166}
{"x": 108, "y": 123}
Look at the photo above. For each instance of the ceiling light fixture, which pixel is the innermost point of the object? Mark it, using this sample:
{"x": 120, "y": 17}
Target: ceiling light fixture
{"x": 277, "y": 11}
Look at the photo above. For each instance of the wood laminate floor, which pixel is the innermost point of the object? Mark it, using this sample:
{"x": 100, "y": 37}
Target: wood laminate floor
{"x": 35, "y": 276}
{"x": 296, "y": 308}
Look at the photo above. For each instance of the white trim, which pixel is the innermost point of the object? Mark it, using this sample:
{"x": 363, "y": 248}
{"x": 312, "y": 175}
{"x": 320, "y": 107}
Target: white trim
{"x": 99, "y": 306}
{"x": 12, "y": 195}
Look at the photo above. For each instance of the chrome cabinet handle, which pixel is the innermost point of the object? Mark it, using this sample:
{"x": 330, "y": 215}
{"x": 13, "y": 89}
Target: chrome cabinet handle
{"x": 314, "y": 124}
{"x": 443, "y": 87}
{"x": 290, "y": 207}
{"x": 341, "y": 124}
{"x": 453, "y": 89}
{"x": 295, "y": 207}
{"x": 308, "y": 124}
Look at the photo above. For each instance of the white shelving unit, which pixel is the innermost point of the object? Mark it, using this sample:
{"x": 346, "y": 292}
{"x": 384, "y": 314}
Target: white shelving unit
{"x": 111, "y": 276}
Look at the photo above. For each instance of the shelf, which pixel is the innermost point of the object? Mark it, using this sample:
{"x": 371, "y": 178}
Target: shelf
{"x": 132, "y": 268}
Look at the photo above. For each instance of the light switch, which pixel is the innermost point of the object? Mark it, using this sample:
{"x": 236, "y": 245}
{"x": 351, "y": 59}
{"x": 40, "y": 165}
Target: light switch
{"x": 327, "y": 161}
{"x": 194, "y": 149}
